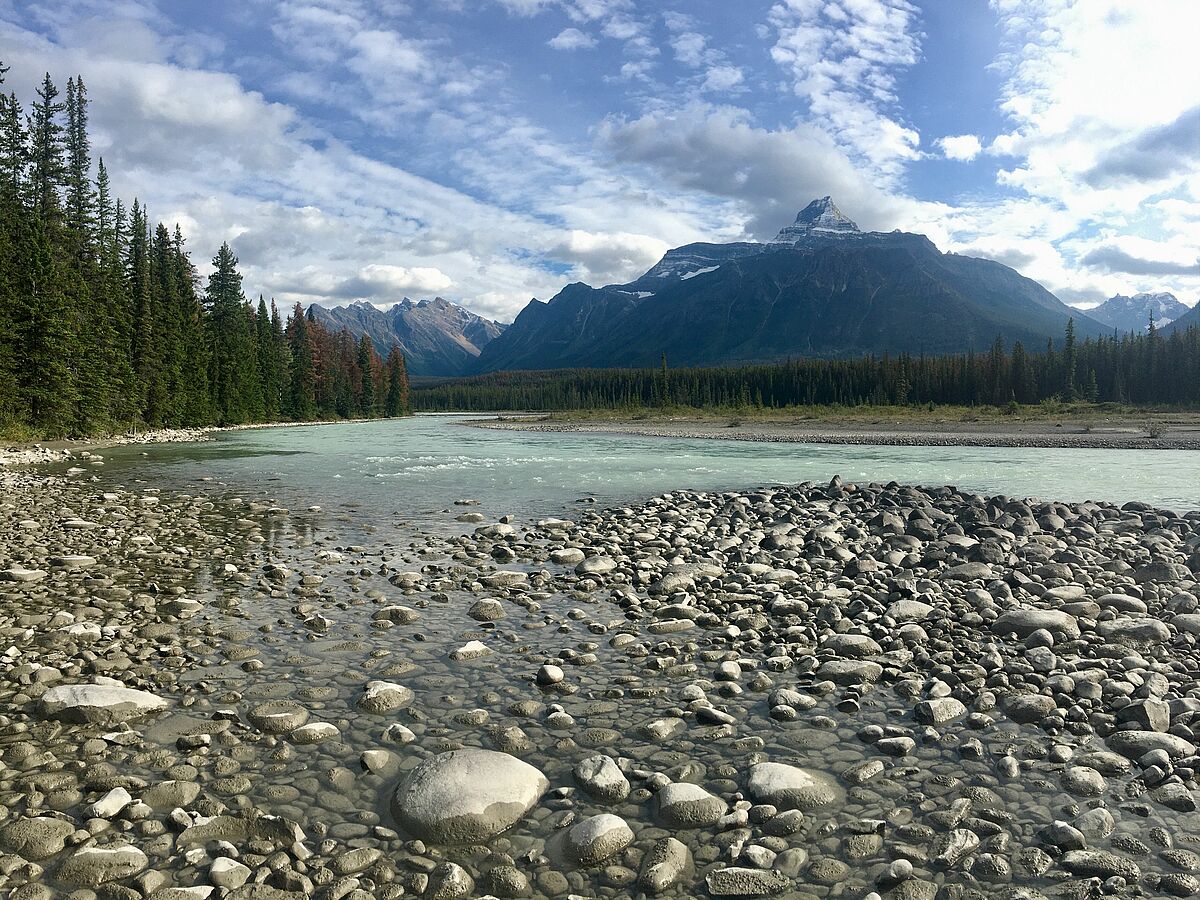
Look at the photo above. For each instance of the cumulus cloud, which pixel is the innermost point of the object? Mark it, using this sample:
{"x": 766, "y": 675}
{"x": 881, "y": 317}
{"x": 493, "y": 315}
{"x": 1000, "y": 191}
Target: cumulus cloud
{"x": 963, "y": 147}
{"x": 610, "y": 258}
{"x": 571, "y": 39}
{"x": 843, "y": 57}
{"x": 378, "y": 283}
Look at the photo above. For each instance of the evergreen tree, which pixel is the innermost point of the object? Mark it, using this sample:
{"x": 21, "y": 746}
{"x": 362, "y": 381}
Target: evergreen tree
{"x": 271, "y": 384}
{"x": 366, "y": 365}
{"x": 398, "y": 390}
{"x": 79, "y": 188}
{"x": 233, "y": 368}
{"x": 46, "y": 154}
{"x": 303, "y": 407}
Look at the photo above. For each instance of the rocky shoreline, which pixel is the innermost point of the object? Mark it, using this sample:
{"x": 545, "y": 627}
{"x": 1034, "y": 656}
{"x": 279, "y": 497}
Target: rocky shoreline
{"x": 812, "y": 691}
{"x": 949, "y": 436}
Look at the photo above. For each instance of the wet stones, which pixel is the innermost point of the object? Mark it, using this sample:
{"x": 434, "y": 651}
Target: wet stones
{"x": 36, "y": 838}
{"x": 469, "y": 651}
{"x": 379, "y": 697}
{"x": 466, "y": 796}
{"x": 790, "y": 787}
{"x": 682, "y": 805}
{"x": 277, "y": 716}
{"x": 1024, "y": 622}
{"x": 601, "y": 778}
{"x": 94, "y": 866}
{"x": 940, "y": 710}
{"x": 595, "y": 839}
{"x": 1135, "y": 744}
{"x": 486, "y": 610}
{"x": 667, "y": 863}
{"x": 99, "y": 704}
{"x": 737, "y": 881}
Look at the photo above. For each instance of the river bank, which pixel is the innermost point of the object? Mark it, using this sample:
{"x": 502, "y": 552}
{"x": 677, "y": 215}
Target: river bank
{"x": 814, "y": 691}
{"x": 1037, "y": 434}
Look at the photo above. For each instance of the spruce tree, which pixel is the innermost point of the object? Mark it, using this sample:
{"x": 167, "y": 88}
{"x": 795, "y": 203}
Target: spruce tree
{"x": 366, "y": 365}
{"x": 46, "y": 154}
{"x": 233, "y": 368}
{"x": 303, "y": 406}
{"x": 79, "y": 188}
{"x": 398, "y": 389}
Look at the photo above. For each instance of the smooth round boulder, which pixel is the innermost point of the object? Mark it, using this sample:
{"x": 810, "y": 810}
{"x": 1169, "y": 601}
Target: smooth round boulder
{"x": 790, "y": 787}
{"x": 36, "y": 838}
{"x": 383, "y": 697}
{"x": 600, "y": 777}
{"x": 466, "y": 796}
{"x": 486, "y": 610}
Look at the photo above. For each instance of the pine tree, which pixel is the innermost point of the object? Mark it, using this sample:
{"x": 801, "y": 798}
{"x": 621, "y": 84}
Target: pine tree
{"x": 268, "y": 364}
{"x": 366, "y": 365}
{"x": 233, "y": 368}
{"x": 398, "y": 389}
{"x": 141, "y": 312}
{"x": 46, "y": 154}
{"x": 79, "y": 188}
{"x": 304, "y": 378}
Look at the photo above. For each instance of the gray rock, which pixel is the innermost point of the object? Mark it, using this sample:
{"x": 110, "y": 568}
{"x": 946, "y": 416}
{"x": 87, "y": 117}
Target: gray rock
{"x": 277, "y": 716}
{"x": 94, "y": 866}
{"x": 595, "y": 839}
{"x": 735, "y": 881}
{"x": 1024, "y": 622}
{"x": 99, "y": 704}
{"x": 36, "y": 838}
{"x": 790, "y": 787}
{"x": 380, "y": 697}
{"x": 683, "y": 806}
{"x": 667, "y": 863}
{"x": 1099, "y": 863}
{"x": 600, "y": 777}
{"x": 1134, "y": 744}
{"x": 466, "y": 796}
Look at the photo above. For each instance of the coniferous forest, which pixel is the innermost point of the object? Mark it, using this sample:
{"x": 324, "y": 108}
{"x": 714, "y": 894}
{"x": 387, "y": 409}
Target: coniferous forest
{"x": 104, "y": 322}
{"x": 1139, "y": 369}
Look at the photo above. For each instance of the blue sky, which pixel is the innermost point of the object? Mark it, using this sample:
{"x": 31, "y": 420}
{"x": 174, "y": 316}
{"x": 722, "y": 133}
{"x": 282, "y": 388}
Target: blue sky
{"x": 493, "y": 150}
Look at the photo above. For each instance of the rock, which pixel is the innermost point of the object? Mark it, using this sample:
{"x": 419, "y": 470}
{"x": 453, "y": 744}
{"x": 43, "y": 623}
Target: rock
{"x": 595, "y": 565}
{"x": 1099, "y": 863}
{"x": 228, "y": 873}
{"x": 1083, "y": 781}
{"x": 1141, "y": 633}
{"x": 470, "y": 650}
{"x": 36, "y": 838}
{"x": 735, "y": 881}
{"x": 110, "y": 804}
{"x": 549, "y": 675}
{"x": 450, "y": 881}
{"x": 380, "y": 697}
{"x": 600, "y": 777}
{"x": 277, "y": 716}
{"x": 20, "y": 575}
{"x": 466, "y": 796}
{"x": 486, "y": 610}
{"x": 684, "y": 806}
{"x": 1135, "y": 744}
{"x": 1024, "y": 622}
{"x": 667, "y": 863}
{"x": 595, "y": 839}
{"x": 939, "y": 710}
{"x": 972, "y": 571}
{"x": 313, "y": 733}
{"x": 94, "y": 866}
{"x": 1028, "y": 709}
{"x": 99, "y": 704}
{"x": 790, "y": 787}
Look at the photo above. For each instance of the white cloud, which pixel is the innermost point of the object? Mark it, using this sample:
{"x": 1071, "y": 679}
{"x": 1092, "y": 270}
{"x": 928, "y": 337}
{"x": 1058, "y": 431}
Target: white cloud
{"x": 722, "y": 78}
{"x": 962, "y": 147}
{"x": 571, "y": 39}
{"x": 843, "y": 57}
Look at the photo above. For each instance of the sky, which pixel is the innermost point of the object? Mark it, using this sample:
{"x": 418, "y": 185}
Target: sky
{"x": 491, "y": 151}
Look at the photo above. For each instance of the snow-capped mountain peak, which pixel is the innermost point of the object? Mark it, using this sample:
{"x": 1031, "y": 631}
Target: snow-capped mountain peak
{"x": 821, "y": 217}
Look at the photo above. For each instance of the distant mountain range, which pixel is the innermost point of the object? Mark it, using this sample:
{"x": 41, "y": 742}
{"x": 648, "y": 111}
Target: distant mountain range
{"x": 1190, "y": 319}
{"x": 1126, "y": 314}
{"x": 822, "y": 288}
{"x": 436, "y": 336}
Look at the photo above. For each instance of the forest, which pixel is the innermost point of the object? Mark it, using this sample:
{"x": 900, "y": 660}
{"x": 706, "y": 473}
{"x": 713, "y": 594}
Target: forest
{"x": 104, "y": 324}
{"x": 1139, "y": 369}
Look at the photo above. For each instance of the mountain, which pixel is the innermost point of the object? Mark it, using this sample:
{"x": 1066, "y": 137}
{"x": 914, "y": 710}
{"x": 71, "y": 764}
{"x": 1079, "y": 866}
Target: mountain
{"x": 822, "y": 288}
{"x": 436, "y": 336}
{"x": 1190, "y": 319}
{"x": 1127, "y": 314}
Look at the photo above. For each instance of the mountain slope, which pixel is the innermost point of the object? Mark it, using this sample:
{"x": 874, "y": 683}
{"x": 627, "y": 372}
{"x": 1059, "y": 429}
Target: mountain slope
{"x": 1190, "y": 319}
{"x": 436, "y": 336}
{"x": 1125, "y": 314}
{"x": 821, "y": 288}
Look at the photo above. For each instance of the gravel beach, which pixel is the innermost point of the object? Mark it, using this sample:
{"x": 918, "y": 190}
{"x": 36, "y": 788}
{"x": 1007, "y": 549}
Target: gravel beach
{"x": 808, "y": 691}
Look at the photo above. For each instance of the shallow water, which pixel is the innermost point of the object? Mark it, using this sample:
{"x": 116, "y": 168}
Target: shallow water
{"x": 412, "y": 468}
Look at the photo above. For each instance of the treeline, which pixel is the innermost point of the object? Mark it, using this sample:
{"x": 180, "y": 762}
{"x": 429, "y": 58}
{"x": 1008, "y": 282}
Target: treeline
{"x": 103, "y": 322}
{"x": 1149, "y": 369}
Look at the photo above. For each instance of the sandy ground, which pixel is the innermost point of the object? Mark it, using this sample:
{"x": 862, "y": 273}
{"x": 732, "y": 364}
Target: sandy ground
{"x": 1110, "y": 435}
